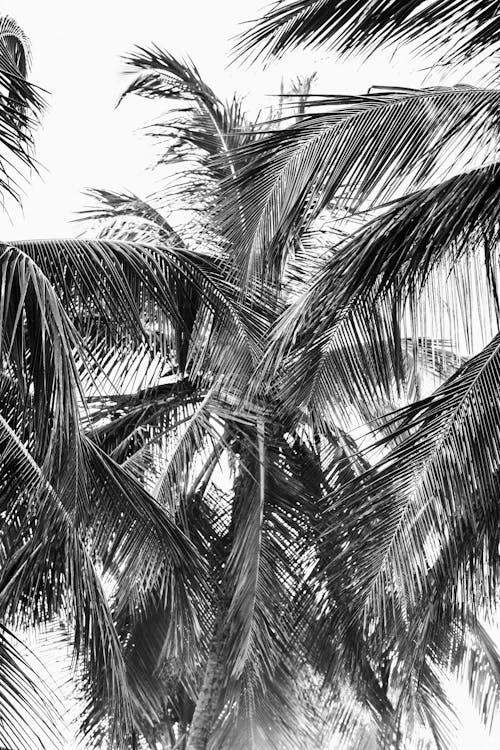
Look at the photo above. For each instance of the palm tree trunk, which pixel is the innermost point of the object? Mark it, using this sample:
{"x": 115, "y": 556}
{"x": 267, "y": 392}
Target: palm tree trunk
{"x": 208, "y": 698}
{"x": 207, "y": 704}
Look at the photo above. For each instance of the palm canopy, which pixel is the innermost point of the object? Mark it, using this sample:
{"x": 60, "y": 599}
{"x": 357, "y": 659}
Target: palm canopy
{"x": 316, "y": 585}
{"x": 338, "y": 352}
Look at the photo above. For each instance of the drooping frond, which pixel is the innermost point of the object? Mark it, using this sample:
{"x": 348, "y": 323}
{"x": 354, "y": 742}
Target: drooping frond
{"x": 345, "y": 372}
{"x": 53, "y": 560}
{"x": 133, "y": 213}
{"x": 354, "y": 309}
{"x": 465, "y": 30}
{"x": 400, "y": 249}
{"x": 137, "y": 429}
{"x": 475, "y": 662}
{"x": 193, "y": 444}
{"x": 204, "y": 129}
{"x": 37, "y": 346}
{"x": 343, "y": 656}
{"x": 45, "y": 548}
{"x": 175, "y": 300}
{"x": 483, "y": 672}
{"x": 261, "y": 699}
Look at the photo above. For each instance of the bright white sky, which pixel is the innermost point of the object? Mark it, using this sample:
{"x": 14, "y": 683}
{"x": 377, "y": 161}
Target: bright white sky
{"x": 86, "y": 142}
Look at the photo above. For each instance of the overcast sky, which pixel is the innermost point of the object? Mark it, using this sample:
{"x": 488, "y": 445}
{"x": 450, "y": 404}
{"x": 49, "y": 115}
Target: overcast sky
{"x": 86, "y": 142}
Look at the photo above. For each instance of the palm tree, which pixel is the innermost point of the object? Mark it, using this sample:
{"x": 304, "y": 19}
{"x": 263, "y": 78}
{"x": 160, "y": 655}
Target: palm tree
{"x": 250, "y": 676}
{"x": 281, "y": 618}
{"x": 82, "y": 323}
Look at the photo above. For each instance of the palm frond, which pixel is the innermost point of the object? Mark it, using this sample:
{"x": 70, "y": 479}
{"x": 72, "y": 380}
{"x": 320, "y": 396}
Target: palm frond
{"x": 205, "y": 127}
{"x": 202, "y": 432}
{"x": 260, "y": 696}
{"x": 475, "y": 662}
{"x": 344, "y": 656}
{"x": 465, "y": 31}
{"x": 172, "y": 299}
{"x": 37, "y": 344}
{"x": 348, "y": 313}
{"x": 49, "y": 548}
{"x": 60, "y": 534}
{"x": 137, "y": 429}
{"x": 453, "y": 218}
{"x": 484, "y": 674}
{"x": 428, "y": 706}
{"x": 21, "y": 105}
{"x": 113, "y": 206}
{"x": 348, "y": 371}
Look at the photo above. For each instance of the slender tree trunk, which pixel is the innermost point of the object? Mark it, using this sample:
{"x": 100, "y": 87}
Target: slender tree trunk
{"x": 210, "y": 691}
{"x": 212, "y": 687}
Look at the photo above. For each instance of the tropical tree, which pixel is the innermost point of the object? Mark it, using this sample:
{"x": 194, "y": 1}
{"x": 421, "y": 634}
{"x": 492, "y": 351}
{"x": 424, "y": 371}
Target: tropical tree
{"x": 257, "y": 671}
{"x": 291, "y": 542}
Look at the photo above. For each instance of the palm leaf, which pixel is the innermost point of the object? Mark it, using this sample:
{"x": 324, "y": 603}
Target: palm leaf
{"x": 260, "y": 699}
{"x": 482, "y": 668}
{"x": 386, "y": 267}
{"x": 21, "y": 104}
{"x": 205, "y": 127}
{"x": 112, "y": 207}
{"x": 59, "y": 535}
{"x": 37, "y": 344}
{"x": 347, "y": 371}
{"x": 466, "y": 30}
{"x": 120, "y": 293}
{"x": 54, "y": 551}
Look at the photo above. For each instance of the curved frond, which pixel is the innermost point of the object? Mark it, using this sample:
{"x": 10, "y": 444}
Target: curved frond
{"x": 128, "y": 207}
{"x": 467, "y": 29}
{"x": 37, "y": 345}
{"x": 21, "y": 105}
{"x": 399, "y": 250}
{"x": 205, "y": 129}
{"x": 483, "y": 672}
{"x": 348, "y": 371}
{"x": 119, "y": 294}
{"x": 349, "y": 314}
{"x": 61, "y": 534}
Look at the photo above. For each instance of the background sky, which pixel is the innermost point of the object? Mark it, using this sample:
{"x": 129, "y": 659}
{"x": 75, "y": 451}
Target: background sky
{"x": 86, "y": 142}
